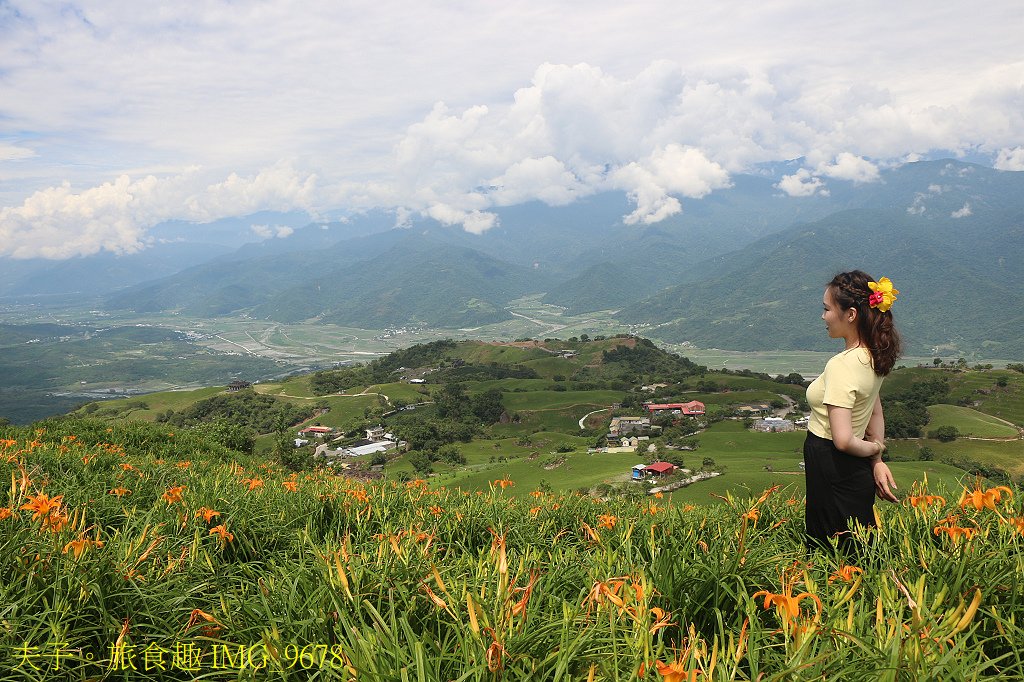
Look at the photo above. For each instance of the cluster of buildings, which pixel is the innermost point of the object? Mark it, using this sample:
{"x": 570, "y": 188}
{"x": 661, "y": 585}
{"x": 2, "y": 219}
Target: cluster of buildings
{"x": 377, "y": 440}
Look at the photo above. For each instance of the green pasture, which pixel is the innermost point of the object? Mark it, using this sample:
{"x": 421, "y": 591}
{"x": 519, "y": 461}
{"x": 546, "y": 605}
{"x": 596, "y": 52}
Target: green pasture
{"x": 1005, "y": 402}
{"x": 345, "y": 411}
{"x": 485, "y": 353}
{"x": 297, "y": 387}
{"x": 552, "y": 366}
{"x": 410, "y": 393}
{"x": 969, "y": 422}
{"x": 510, "y": 385}
{"x": 553, "y": 400}
{"x": 155, "y": 403}
{"x": 740, "y": 383}
{"x": 565, "y": 420}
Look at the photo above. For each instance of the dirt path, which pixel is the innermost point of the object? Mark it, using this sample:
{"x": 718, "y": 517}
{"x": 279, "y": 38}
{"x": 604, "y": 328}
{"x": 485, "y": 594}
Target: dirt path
{"x": 603, "y": 409}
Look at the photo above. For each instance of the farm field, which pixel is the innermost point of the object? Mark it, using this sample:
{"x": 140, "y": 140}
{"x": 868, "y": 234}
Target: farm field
{"x": 134, "y": 554}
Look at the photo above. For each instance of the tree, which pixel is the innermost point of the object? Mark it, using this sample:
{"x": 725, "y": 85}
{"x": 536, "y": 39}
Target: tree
{"x": 229, "y": 434}
{"x": 937, "y": 361}
{"x": 946, "y": 434}
{"x": 451, "y": 401}
{"x": 450, "y": 454}
{"x": 487, "y": 406}
{"x": 926, "y": 454}
{"x": 420, "y": 462}
{"x": 290, "y": 456}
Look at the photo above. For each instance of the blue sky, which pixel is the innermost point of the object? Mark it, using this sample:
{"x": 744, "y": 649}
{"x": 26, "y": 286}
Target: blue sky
{"x": 115, "y": 116}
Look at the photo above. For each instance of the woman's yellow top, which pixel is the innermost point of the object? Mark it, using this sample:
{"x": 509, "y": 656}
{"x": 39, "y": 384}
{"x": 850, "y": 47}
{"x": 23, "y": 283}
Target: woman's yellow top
{"x": 848, "y": 381}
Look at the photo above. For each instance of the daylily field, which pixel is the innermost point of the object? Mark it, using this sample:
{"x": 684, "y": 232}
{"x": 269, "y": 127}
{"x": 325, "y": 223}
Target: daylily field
{"x": 127, "y": 552}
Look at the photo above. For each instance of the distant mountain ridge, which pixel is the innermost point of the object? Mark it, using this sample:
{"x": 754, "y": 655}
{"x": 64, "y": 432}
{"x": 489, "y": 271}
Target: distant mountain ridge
{"x": 740, "y": 269}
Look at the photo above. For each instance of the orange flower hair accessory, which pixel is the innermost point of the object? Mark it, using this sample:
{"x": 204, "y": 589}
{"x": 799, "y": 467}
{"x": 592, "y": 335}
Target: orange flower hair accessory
{"x": 883, "y": 294}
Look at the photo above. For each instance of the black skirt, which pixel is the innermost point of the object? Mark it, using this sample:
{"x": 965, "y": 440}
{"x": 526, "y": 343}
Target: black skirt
{"x": 840, "y": 487}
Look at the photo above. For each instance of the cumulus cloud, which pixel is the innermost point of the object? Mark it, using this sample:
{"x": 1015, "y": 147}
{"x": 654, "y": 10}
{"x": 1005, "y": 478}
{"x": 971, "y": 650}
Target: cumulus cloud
{"x": 61, "y": 223}
{"x": 1010, "y": 159}
{"x": 802, "y": 184}
{"x": 849, "y": 166}
{"x": 673, "y": 169}
{"x": 962, "y": 212}
{"x": 700, "y": 95}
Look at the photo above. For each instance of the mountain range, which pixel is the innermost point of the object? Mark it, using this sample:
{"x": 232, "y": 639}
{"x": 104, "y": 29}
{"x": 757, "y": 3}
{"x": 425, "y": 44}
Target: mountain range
{"x": 741, "y": 269}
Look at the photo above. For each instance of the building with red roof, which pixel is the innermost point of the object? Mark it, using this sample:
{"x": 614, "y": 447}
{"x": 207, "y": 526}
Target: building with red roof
{"x": 694, "y": 408}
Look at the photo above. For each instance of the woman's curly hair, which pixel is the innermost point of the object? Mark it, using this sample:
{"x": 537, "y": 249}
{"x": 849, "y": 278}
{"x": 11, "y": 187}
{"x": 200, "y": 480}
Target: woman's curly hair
{"x": 877, "y": 329}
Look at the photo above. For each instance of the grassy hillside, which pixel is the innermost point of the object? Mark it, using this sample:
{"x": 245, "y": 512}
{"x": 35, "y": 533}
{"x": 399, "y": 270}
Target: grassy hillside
{"x": 970, "y": 422}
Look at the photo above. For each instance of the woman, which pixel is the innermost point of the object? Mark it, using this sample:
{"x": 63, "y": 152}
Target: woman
{"x": 846, "y": 430}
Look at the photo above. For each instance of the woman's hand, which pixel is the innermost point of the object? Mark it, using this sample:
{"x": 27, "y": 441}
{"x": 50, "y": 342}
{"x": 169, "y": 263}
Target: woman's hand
{"x": 884, "y": 482}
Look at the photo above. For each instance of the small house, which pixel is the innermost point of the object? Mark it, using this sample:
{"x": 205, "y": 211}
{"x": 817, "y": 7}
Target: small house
{"x": 317, "y": 431}
{"x": 660, "y": 469}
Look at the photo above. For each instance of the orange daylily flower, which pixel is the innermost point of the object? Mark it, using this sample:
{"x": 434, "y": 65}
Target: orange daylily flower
{"x": 925, "y": 501}
{"x": 120, "y": 492}
{"x": 184, "y": 464}
{"x": 173, "y": 494}
{"x": 676, "y": 671}
{"x": 253, "y": 483}
{"x": 42, "y": 505}
{"x": 290, "y": 486}
{"x": 436, "y": 510}
{"x": 504, "y": 482}
{"x": 980, "y": 499}
{"x": 207, "y": 513}
{"x": 847, "y": 574}
{"x": 607, "y": 521}
{"x": 535, "y": 510}
{"x": 956, "y": 532}
{"x": 786, "y": 605}
{"x": 1016, "y": 522}
{"x": 81, "y": 544}
{"x": 222, "y": 531}
{"x": 662, "y": 619}
{"x": 6, "y": 512}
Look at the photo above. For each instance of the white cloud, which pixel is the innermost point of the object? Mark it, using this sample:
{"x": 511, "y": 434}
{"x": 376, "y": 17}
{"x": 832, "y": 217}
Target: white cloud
{"x": 60, "y": 223}
{"x": 802, "y": 184}
{"x": 962, "y": 212}
{"x": 11, "y": 152}
{"x": 849, "y": 166}
{"x": 1010, "y": 159}
{"x": 917, "y": 207}
{"x": 205, "y": 85}
{"x": 673, "y": 169}
{"x": 268, "y": 231}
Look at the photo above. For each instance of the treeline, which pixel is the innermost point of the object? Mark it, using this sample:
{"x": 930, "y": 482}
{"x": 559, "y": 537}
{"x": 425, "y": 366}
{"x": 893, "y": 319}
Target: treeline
{"x": 248, "y": 409}
{"x": 380, "y": 370}
{"x": 906, "y": 410}
{"x": 644, "y": 361}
